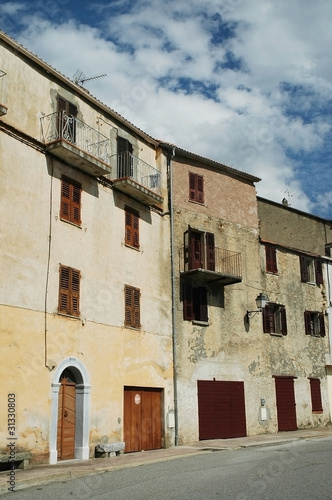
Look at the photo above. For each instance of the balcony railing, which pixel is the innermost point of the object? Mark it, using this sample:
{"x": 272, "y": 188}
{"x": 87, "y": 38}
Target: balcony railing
{"x": 214, "y": 264}
{"x": 62, "y": 127}
{"x": 136, "y": 177}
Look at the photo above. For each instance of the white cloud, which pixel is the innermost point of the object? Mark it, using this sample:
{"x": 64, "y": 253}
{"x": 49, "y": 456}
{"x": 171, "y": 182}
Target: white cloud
{"x": 267, "y": 110}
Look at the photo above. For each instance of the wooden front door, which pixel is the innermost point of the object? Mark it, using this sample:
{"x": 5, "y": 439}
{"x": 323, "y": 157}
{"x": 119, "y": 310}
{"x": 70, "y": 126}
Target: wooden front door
{"x": 66, "y": 420}
{"x": 221, "y": 409}
{"x": 286, "y": 407}
{"x": 142, "y": 419}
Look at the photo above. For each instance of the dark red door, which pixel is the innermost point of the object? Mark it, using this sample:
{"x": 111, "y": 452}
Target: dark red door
{"x": 142, "y": 419}
{"x": 221, "y": 409}
{"x": 286, "y": 407}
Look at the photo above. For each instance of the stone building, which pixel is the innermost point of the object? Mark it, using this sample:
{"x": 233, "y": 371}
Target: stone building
{"x": 85, "y": 323}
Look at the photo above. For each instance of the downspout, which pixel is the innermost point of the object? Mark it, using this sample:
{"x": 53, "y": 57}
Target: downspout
{"x": 170, "y": 154}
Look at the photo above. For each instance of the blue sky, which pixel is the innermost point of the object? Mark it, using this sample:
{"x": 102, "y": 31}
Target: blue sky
{"x": 247, "y": 83}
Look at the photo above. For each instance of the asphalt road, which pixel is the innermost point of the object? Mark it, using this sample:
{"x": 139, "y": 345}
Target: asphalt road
{"x": 299, "y": 470}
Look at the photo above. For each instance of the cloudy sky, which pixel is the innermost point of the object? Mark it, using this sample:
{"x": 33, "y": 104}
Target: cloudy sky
{"x": 247, "y": 83}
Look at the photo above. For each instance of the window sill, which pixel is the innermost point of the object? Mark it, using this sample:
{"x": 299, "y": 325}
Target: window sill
{"x": 200, "y": 323}
{"x": 316, "y": 412}
{"x": 71, "y": 223}
{"x": 137, "y": 328}
{"x": 276, "y": 334}
{"x": 69, "y": 316}
{"x": 133, "y": 248}
{"x": 274, "y": 273}
{"x": 197, "y": 202}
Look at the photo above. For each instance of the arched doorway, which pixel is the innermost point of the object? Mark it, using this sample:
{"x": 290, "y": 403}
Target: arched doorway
{"x": 69, "y": 436}
{"x": 66, "y": 416}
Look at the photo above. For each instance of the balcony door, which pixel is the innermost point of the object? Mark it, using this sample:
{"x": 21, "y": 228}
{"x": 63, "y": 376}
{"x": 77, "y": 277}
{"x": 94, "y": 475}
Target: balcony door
{"x": 199, "y": 250}
{"x": 125, "y": 158}
{"x": 66, "y": 124}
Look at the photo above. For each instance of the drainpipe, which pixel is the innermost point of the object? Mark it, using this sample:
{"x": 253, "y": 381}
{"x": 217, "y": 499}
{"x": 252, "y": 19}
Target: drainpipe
{"x": 170, "y": 153}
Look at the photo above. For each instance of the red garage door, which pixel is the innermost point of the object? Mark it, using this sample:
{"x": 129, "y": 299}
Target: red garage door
{"x": 221, "y": 409}
{"x": 286, "y": 408}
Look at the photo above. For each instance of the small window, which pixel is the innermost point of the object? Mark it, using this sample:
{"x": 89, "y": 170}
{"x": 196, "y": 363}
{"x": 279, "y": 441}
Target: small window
{"x": 196, "y": 188}
{"x": 271, "y": 259}
{"x": 274, "y": 319}
{"x": 132, "y": 307}
{"x": 316, "y": 398}
{"x": 69, "y": 291}
{"x": 311, "y": 270}
{"x": 131, "y": 227}
{"x": 314, "y": 324}
{"x": 70, "y": 207}
{"x": 195, "y": 303}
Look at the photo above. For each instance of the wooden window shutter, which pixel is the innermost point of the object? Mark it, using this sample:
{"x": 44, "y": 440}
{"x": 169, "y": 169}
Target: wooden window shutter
{"x": 321, "y": 325}
{"x": 203, "y": 304}
{"x": 132, "y": 227}
{"x": 200, "y": 189}
{"x": 76, "y": 204}
{"x": 319, "y": 272}
{"x": 303, "y": 267}
{"x": 210, "y": 251}
{"x": 70, "y": 207}
{"x": 65, "y": 200}
{"x": 316, "y": 398}
{"x": 266, "y": 313}
{"x": 308, "y": 323}
{"x": 192, "y": 186}
{"x": 283, "y": 320}
{"x": 271, "y": 259}
{"x": 187, "y": 302}
{"x": 132, "y": 306}
{"x": 69, "y": 291}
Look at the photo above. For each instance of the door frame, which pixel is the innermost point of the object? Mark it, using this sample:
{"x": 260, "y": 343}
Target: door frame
{"x": 83, "y": 388}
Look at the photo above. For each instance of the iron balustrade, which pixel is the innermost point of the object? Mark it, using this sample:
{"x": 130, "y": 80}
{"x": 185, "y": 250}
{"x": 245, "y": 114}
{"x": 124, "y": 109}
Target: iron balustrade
{"x": 126, "y": 165}
{"x": 62, "y": 126}
{"x": 226, "y": 262}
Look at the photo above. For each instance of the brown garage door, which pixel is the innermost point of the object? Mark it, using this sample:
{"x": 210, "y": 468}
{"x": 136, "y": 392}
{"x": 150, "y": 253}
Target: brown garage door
{"x": 142, "y": 419}
{"x": 221, "y": 409}
{"x": 286, "y": 408}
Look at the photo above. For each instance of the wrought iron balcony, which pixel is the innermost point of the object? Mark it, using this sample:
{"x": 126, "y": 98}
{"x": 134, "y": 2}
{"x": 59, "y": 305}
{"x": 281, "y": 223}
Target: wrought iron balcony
{"x": 136, "y": 178}
{"x": 213, "y": 264}
{"x": 76, "y": 143}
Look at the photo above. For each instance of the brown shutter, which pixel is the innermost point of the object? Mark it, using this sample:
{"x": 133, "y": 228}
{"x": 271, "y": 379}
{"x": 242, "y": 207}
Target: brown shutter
{"x": 203, "y": 304}
{"x": 271, "y": 259}
{"x": 319, "y": 272}
{"x": 322, "y": 325}
{"x": 132, "y": 227}
{"x": 135, "y": 231}
{"x": 266, "y": 319}
{"x": 303, "y": 267}
{"x": 128, "y": 305}
{"x": 132, "y": 306}
{"x": 136, "y": 311}
{"x": 210, "y": 251}
{"x": 308, "y": 323}
{"x": 192, "y": 186}
{"x": 75, "y": 292}
{"x": 283, "y": 320}
{"x": 316, "y": 398}
{"x": 65, "y": 200}
{"x": 76, "y": 206}
{"x": 200, "y": 189}
{"x": 187, "y": 302}
{"x": 64, "y": 290}
{"x": 129, "y": 228}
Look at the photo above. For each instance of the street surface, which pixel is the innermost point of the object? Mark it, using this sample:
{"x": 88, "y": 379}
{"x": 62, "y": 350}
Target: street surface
{"x": 296, "y": 471}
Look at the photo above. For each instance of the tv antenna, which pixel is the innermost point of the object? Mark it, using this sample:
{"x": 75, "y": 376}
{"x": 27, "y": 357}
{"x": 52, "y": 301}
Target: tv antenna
{"x": 80, "y": 78}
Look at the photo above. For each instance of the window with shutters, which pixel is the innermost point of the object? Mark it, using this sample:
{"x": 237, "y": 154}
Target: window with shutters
{"x": 314, "y": 324}
{"x": 195, "y": 303}
{"x": 132, "y": 307}
{"x": 196, "y": 188}
{"x": 199, "y": 250}
{"x": 316, "y": 398}
{"x": 271, "y": 259}
{"x": 311, "y": 270}
{"x": 131, "y": 227}
{"x": 274, "y": 319}
{"x": 69, "y": 291}
{"x": 70, "y": 208}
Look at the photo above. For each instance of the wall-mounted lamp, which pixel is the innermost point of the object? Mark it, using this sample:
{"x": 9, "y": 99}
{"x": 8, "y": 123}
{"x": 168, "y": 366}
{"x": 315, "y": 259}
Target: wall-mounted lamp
{"x": 261, "y": 301}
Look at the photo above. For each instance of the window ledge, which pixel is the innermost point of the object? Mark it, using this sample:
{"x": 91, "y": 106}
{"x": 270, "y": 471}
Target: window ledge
{"x": 318, "y": 411}
{"x": 276, "y": 334}
{"x": 69, "y": 316}
{"x": 200, "y": 323}
{"x": 132, "y": 247}
{"x": 71, "y": 223}
{"x": 196, "y": 202}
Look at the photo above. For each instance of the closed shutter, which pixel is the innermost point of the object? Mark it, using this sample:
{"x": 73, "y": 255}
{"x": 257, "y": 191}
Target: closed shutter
{"x": 268, "y": 319}
{"x": 304, "y": 271}
{"x": 65, "y": 200}
{"x": 308, "y": 323}
{"x": 132, "y": 306}
{"x": 76, "y": 205}
{"x": 200, "y": 189}
{"x": 316, "y": 399}
{"x": 187, "y": 302}
{"x": 210, "y": 251}
{"x": 196, "y": 188}
{"x": 192, "y": 186}
{"x": 271, "y": 259}
{"x": 69, "y": 291}
{"x": 322, "y": 325}
{"x": 70, "y": 207}
{"x": 283, "y": 320}
{"x": 132, "y": 228}
{"x": 319, "y": 272}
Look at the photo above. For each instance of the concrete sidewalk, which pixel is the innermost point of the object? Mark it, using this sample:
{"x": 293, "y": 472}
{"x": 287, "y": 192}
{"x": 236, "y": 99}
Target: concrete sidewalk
{"x": 41, "y": 474}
